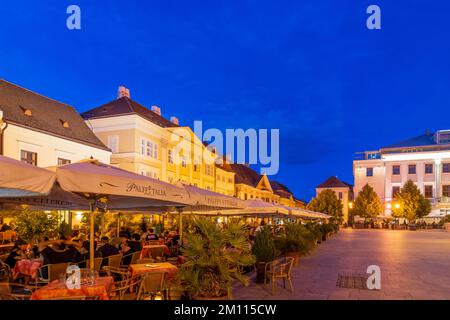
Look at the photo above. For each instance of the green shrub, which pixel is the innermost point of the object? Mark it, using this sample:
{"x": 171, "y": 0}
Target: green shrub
{"x": 264, "y": 247}
{"x": 297, "y": 238}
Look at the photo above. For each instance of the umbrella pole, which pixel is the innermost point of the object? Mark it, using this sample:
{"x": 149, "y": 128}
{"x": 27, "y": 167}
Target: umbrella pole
{"x": 91, "y": 237}
{"x": 180, "y": 214}
{"x": 118, "y": 224}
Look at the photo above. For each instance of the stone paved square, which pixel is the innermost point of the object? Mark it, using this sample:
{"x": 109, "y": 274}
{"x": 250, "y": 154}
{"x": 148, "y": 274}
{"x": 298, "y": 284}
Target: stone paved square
{"x": 414, "y": 265}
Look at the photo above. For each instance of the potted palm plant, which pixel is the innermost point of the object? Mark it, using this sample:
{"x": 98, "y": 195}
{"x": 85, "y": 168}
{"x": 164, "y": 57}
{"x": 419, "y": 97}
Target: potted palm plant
{"x": 264, "y": 251}
{"x": 214, "y": 259}
{"x": 296, "y": 241}
{"x": 316, "y": 230}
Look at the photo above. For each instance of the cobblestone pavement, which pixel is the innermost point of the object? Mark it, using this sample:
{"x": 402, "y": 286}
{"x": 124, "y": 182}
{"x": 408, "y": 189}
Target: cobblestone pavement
{"x": 414, "y": 265}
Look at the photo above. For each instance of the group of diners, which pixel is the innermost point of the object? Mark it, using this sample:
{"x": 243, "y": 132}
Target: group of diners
{"x": 75, "y": 249}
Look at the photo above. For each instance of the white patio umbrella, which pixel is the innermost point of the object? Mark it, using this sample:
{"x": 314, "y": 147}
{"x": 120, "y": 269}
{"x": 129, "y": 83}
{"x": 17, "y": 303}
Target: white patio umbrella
{"x": 118, "y": 188}
{"x": 200, "y": 200}
{"x": 92, "y": 182}
{"x": 304, "y": 213}
{"x": 252, "y": 207}
{"x": 18, "y": 179}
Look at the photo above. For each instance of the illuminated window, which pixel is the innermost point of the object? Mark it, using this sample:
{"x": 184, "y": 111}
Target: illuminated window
{"x": 395, "y": 191}
{"x": 28, "y": 157}
{"x": 428, "y": 191}
{"x": 62, "y": 162}
{"x": 446, "y": 191}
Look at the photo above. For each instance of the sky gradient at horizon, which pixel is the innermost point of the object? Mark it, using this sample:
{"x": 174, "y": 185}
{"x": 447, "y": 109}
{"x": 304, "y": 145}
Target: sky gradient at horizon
{"x": 310, "y": 68}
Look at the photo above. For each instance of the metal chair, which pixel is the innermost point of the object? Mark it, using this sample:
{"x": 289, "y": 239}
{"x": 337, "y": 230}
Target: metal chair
{"x": 279, "y": 269}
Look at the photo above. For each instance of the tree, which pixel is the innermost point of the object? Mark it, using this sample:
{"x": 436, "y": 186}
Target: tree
{"x": 32, "y": 225}
{"x": 327, "y": 202}
{"x": 367, "y": 204}
{"x": 410, "y": 203}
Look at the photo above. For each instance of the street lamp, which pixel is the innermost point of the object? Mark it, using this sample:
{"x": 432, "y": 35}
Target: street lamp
{"x": 397, "y": 206}
{"x": 350, "y": 205}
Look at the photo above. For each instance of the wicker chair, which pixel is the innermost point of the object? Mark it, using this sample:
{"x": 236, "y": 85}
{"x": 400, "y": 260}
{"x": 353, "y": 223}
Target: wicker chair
{"x": 279, "y": 269}
{"x": 115, "y": 260}
{"x": 157, "y": 253}
{"x": 119, "y": 274}
{"x": 152, "y": 284}
{"x": 53, "y": 272}
{"x": 134, "y": 258}
{"x": 126, "y": 289}
{"x": 5, "y": 271}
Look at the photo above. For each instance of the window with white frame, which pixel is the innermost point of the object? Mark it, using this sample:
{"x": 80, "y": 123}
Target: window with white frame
{"x": 208, "y": 169}
{"x": 149, "y": 173}
{"x": 183, "y": 161}
{"x": 170, "y": 156}
{"x": 149, "y": 148}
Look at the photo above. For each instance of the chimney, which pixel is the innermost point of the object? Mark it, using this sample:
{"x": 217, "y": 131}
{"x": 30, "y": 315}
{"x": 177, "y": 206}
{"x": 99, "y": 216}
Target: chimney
{"x": 123, "y": 92}
{"x": 174, "y": 120}
{"x": 156, "y": 110}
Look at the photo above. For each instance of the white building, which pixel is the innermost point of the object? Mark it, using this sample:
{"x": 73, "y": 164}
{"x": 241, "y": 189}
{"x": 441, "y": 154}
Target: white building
{"x": 44, "y": 132}
{"x": 424, "y": 159}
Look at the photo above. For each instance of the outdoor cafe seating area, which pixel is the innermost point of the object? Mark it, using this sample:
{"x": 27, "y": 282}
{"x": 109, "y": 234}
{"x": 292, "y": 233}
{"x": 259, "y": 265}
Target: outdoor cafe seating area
{"x": 123, "y": 264}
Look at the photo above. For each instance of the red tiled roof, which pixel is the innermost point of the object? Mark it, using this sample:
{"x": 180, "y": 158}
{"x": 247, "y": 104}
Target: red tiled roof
{"x": 45, "y": 115}
{"x": 334, "y": 182}
{"x": 245, "y": 175}
{"x": 124, "y": 106}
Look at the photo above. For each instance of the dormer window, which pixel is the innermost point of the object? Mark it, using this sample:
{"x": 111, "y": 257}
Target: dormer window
{"x": 26, "y": 111}
{"x": 64, "y": 123}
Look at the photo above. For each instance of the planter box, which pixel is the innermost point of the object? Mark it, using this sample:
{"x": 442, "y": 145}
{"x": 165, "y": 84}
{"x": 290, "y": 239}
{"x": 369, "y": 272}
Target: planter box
{"x": 260, "y": 272}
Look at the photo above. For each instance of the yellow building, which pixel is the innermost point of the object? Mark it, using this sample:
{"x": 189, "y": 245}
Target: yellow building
{"x": 286, "y": 196}
{"x": 251, "y": 185}
{"x": 145, "y": 142}
{"x": 343, "y": 190}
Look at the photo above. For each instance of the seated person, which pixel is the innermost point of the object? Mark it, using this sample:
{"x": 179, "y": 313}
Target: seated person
{"x": 150, "y": 235}
{"x": 127, "y": 247}
{"x": 17, "y": 253}
{"x": 106, "y": 250}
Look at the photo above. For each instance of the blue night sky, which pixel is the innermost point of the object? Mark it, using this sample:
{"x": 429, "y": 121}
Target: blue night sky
{"x": 310, "y": 68}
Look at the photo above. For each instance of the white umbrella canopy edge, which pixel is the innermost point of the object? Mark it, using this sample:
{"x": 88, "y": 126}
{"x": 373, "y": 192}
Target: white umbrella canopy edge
{"x": 18, "y": 179}
{"x": 204, "y": 200}
{"x": 123, "y": 188}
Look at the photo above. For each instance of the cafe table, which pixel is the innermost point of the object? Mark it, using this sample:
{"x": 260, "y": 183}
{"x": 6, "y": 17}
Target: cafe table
{"x": 145, "y": 253}
{"x": 27, "y": 267}
{"x": 142, "y": 268}
{"x": 101, "y": 289}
